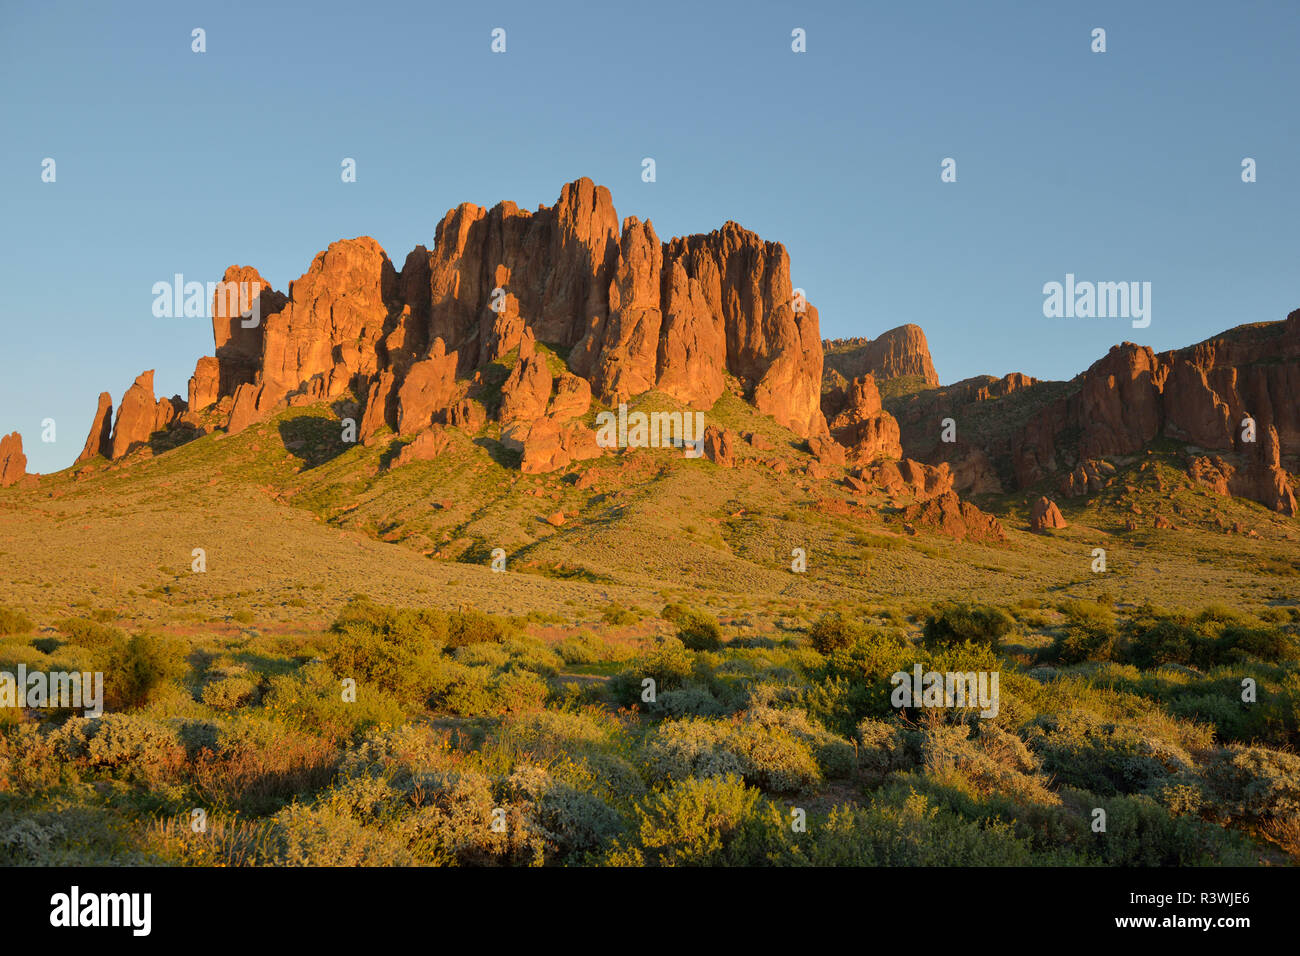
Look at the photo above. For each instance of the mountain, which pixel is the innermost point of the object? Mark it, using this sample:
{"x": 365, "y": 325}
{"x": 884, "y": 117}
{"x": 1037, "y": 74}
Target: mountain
{"x": 518, "y": 327}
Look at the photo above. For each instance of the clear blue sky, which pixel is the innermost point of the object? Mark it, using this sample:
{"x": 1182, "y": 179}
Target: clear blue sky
{"x": 1116, "y": 166}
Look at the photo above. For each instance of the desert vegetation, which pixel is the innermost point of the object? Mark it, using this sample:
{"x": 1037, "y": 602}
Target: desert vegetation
{"x": 478, "y": 739}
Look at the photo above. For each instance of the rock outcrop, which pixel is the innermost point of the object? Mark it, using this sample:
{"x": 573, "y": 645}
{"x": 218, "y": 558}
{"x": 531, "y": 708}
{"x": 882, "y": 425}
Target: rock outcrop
{"x": 1213, "y": 395}
{"x": 720, "y": 446}
{"x": 948, "y": 514}
{"x": 899, "y": 353}
{"x": 100, "y": 439}
{"x": 426, "y": 446}
{"x": 527, "y": 390}
{"x": 136, "y": 416}
{"x": 550, "y": 445}
{"x": 858, "y": 421}
{"x": 428, "y": 388}
{"x": 1045, "y": 514}
{"x": 240, "y": 307}
{"x": 631, "y": 313}
{"x": 13, "y": 463}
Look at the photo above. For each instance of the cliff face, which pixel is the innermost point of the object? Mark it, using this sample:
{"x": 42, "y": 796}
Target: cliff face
{"x": 631, "y": 313}
{"x": 899, "y": 353}
{"x": 628, "y": 313}
{"x": 1208, "y": 395}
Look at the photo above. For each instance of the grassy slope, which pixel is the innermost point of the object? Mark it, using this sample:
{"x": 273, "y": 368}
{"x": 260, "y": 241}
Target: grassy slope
{"x": 293, "y": 533}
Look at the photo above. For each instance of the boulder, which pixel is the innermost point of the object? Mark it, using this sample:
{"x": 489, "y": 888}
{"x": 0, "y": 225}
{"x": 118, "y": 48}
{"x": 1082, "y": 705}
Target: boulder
{"x": 720, "y": 446}
{"x": 426, "y": 446}
{"x": 958, "y": 519}
{"x": 1045, "y": 514}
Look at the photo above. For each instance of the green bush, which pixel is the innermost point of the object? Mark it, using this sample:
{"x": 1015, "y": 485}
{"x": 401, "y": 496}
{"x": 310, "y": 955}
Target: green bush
{"x": 1082, "y": 750}
{"x": 716, "y": 821}
{"x": 1266, "y": 644}
{"x": 230, "y": 693}
{"x": 976, "y": 623}
{"x": 1254, "y": 784}
{"x": 123, "y": 745}
{"x": 1082, "y": 643}
{"x": 13, "y": 621}
{"x": 87, "y": 633}
{"x": 668, "y": 664}
{"x": 138, "y": 667}
{"x": 474, "y": 627}
{"x": 697, "y": 630}
{"x": 834, "y": 632}
{"x": 903, "y": 828}
{"x": 1169, "y": 642}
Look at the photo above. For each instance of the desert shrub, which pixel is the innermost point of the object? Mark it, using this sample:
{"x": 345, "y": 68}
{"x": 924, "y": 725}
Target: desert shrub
{"x": 518, "y": 692}
{"x": 230, "y": 693}
{"x": 716, "y": 821}
{"x": 689, "y": 700}
{"x": 530, "y": 654}
{"x": 386, "y": 648}
{"x": 13, "y": 621}
{"x": 68, "y": 835}
{"x": 903, "y": 828}
{"x": 616, "y": 614}
{"x": 756, "y": 747}
{"x": 481, "y": 655}
{"x": 1254, "y": 784}
{"x": 1084, "y": 751}
{"x": 668, "y": 663}
{"x": 773, "y": 758}
{"x": 835, "y": 756}
{"x": 835, "y": 632}
{"x": 989, "y": 761}
{"x": 128, "y": 746}
{"x": 1267, "y": 644}
{"x": 482, "y": 692}
{"x": 697, "y": 630}
{"x": 314, "y": 836}
{"x": 258, "y": 767}
{"x": 1090, "y": 613}
{"x": 568, "y": 820}
{"x": 398, "y": 753}
{"x": 976, "y": 623}
{"x": 681, "y": 749}
{"x": 882, "y": 747}
{"x": 453, "y": 820}
{"x": 411, "y": 627}
{"x": 1169, "y": 642}
{"x": 311, "y": 699}
{"x": 584, "y": 648}
{"x": 137, "y": 668}
{"x": 474, "y": 627}
{"x": 28, "y": 760}
{"x": 87, "y": 633}
{"x": 1140, "y": 832}
{"x": 1081, "y": 643}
